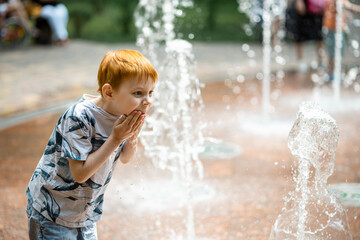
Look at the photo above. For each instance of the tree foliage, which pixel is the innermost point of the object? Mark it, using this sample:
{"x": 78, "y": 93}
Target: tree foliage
{"x": 112, "y": 21}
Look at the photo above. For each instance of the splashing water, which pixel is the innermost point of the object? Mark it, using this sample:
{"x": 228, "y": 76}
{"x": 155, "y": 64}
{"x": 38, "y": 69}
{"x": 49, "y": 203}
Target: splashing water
{"x": 338, "y": 46}
{"x": 266, "y": 58}
{"x": 172, "y": 138}
{"x": 155, "y": 20}
{"x": 177, "y": 135}
{"x": 171, "y": 135}
{"x": 265, "y": 12}
{"x": 352, "y": 78}
{"x": 346, "y": 23}
{"x": 311, "y": 212}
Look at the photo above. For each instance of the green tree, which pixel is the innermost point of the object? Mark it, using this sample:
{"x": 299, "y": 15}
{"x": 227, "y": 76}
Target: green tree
{"x": 211, "y": 16}
{"x": 80, "y": 12}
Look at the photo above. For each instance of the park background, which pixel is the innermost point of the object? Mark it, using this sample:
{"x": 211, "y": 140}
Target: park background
{"x": 112, "y": 21}
{"x": 244, "y": 184}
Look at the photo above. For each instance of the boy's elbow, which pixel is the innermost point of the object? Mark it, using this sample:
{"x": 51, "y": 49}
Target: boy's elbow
{"x": 79, "y": 179}
{"x": 76, "y": 169}
{"x": 125, "y": 160}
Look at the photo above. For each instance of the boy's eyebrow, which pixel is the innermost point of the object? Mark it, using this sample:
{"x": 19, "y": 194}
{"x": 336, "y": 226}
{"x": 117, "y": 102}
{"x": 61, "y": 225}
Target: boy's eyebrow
{"x": 135, "y": 88}
{"x": 140, "y": 88}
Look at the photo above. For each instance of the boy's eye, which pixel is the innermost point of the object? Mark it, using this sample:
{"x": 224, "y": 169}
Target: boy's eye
{"x": 138, "y": 93}
{"x": 151, "y": 93}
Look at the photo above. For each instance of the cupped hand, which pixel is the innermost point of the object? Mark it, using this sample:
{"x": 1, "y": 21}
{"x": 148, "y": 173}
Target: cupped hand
{"x": 127, "y": 126}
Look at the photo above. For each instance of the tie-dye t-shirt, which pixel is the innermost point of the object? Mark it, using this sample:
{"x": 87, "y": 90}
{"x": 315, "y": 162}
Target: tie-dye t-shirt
{"x": 52, "y": 191}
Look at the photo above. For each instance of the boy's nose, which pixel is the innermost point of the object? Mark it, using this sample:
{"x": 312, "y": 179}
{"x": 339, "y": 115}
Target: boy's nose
{"x": 147, "y": 101}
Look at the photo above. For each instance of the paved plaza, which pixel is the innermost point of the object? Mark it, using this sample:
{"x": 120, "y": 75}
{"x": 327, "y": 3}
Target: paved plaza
{"x": 44, "y": 77}
{"x": 241, "y": 194}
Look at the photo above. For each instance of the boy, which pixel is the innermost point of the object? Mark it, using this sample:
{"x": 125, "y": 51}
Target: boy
{"x": 66, "y": 191}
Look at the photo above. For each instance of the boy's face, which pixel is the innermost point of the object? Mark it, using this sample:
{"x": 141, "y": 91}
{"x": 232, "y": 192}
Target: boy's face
{"x": 133, "y": 95}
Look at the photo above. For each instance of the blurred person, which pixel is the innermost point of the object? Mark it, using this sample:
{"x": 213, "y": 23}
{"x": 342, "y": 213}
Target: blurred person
{"x": 329, "y": 28}
{"x": 14, "y": 8}
{"x": 305, "y": 19}
{"x": 57, "y": 16}
{"x": 66, "y": 191}
{"x": 276, "y": 11}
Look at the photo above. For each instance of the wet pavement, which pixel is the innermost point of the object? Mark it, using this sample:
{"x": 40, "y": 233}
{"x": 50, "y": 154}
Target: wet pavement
{"x": 240, "y": 196}
{"x": 41, "y": 77}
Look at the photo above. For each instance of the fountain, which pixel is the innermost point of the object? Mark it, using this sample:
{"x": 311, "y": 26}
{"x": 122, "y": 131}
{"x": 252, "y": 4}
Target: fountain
{"x": 338, "y": 46}
{"x": 170, "y": 143}
{"x": 171, "y": 133}
{"x": 265, "y": 12}
{"x": 310, "y": 211}
{"x": 271, "y": 15}
{"x": 179, "y": 91}
{"x": 352, "y": 78}
{"x": 266, "y": 57}
{"x": 154, "y": 20}
{"x": 346, "y": 56}
{"x": 172, "y": 138}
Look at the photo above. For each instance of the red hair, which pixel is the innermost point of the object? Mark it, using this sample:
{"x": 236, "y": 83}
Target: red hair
{"x": 118, "y": 66}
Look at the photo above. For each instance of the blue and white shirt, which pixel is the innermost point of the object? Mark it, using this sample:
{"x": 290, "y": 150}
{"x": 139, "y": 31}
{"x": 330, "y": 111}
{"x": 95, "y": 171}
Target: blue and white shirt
{"x": 52, "y": 191}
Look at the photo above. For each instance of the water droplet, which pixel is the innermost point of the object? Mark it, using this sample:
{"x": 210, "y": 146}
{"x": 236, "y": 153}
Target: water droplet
{"x": 280, "y": 60}
{"x": 191, "y": 36}
{"x": 314, "y": 64}
{"x": 228, "y": 82}
{"x": 276, "y": 163}
{"x": 245, "y": 47}
{"x": 230, "y": 71}
{"x": 236, "y": 90}
{"x": 179, "y": 12}
{"x": 240, "y": 78}
{"x": 357, "y": 87}
{"x": 277, "y": 48}
{"x": 356, "y": 53}
{"x": 225, "y": 98}
{"x": 355, "y": 44}
{"x": 251, "y": 54}
{"x": 260, "y": 76}
{"x": 248, "y": 32}
{"x": 254, "y": 101}
{"x": 252, "y": 63}
{"x": 280, "y": 74}
{"x": 275, "y": 95}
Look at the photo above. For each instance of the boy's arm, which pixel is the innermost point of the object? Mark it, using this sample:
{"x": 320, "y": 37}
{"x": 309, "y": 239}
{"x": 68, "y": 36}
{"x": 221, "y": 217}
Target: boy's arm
{"x": 124, "y": 128}
{"x": 82, "y": 170}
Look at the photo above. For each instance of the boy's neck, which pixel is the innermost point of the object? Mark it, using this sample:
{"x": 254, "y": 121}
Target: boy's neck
{"x": 103, "y": 104}
{"x": 100, "y": 102}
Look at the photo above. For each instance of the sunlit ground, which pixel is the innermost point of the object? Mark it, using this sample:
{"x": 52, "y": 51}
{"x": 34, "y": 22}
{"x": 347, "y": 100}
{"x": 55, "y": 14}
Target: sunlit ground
{"x": 239, "y": 197}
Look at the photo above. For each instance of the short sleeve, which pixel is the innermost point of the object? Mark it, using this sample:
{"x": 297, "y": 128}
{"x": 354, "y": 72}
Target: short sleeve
{"x": 76, "y": 135}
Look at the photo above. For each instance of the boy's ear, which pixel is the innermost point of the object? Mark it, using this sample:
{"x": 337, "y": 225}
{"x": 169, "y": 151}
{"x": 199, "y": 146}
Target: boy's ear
{"x": 107, "y": 91}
